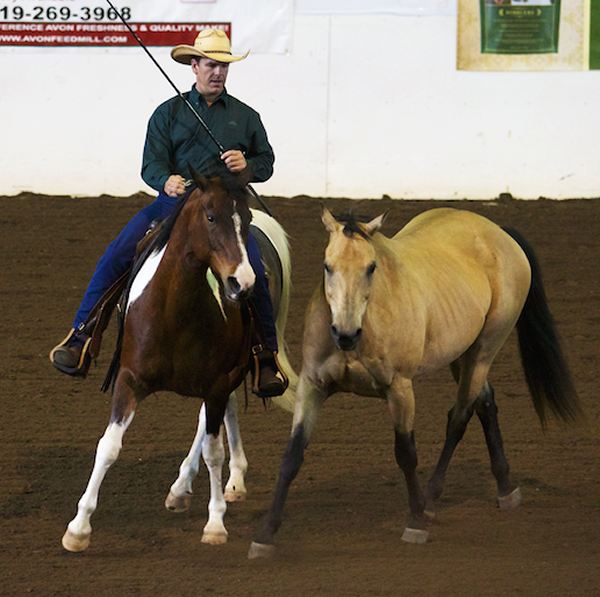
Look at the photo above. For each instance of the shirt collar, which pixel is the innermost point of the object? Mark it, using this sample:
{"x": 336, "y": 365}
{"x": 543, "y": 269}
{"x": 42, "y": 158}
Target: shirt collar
{"x": 197, "y": 99}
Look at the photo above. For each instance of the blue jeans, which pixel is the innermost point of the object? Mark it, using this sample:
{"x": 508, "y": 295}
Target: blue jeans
{"x": 119, "y": 256}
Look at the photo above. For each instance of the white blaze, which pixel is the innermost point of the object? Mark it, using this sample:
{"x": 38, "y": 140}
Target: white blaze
{"x": 244, "y": 274}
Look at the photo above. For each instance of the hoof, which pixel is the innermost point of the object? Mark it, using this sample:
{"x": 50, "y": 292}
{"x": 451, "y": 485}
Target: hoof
{"x": 214, "y": 538}
{"x": 75, "y": 543}
{"x": 415, "y": 535}
{"x": 231, "y": 495}
{"x": 260, "y": 550}
{"x": 510, "y": 501}
{"x": 178, "y": 504}
{"x": 429, "y": 512}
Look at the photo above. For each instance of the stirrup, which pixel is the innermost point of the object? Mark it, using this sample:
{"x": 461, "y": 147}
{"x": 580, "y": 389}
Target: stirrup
{"x": 93, "y": 327}
{"x": 262, "y": 357}
{"x": 85, "y": 359}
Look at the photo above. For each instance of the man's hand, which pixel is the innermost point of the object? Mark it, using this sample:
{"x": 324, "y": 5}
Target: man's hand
{"x": 175, "y": 185}
{"x": 234, "y": 160}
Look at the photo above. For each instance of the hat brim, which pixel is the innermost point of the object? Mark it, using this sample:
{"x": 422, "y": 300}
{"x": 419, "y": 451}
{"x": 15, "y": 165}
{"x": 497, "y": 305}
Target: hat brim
{"x": 184, "y": 54}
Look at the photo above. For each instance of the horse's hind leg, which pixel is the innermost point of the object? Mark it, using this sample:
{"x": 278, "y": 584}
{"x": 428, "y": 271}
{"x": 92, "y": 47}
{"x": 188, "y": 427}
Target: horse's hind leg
{"x": 509, "y": 497}
{"x": 473, "y": 375}
{"x": 179, "y": 498}
{"x": 235, "y": 490}
{"x": 79, "y": 530}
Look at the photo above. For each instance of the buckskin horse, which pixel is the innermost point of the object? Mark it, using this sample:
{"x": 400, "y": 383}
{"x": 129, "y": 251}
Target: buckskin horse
{"x": 445, "y": 290}
{"x": 184, "y": 334}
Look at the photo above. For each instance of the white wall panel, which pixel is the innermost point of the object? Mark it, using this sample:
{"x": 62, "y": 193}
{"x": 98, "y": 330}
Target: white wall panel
{"x": 361, "y": 106}
{"x": 290, "y": 92}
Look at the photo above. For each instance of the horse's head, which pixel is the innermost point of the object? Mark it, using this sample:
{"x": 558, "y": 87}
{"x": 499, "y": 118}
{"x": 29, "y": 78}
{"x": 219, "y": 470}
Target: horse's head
{"x": 350, "y": 264}
{"x": 218, "y": 231}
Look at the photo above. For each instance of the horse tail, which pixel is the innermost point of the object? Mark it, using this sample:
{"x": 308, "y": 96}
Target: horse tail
{"x": 288, "y": 399}
{"x": 278, "y": 238}
{"x": 545, "y": 367}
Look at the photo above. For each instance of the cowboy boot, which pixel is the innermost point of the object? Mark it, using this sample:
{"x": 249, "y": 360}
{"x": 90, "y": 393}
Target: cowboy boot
{"x": 269, "y": 378}
{"x": 72, "y": 355}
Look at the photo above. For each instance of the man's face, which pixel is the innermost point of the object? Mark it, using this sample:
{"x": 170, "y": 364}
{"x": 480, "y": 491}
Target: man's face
{"x": 210, "y": 76}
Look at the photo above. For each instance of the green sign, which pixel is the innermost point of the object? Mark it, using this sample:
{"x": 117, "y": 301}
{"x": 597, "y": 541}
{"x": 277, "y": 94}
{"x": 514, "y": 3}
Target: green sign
{"x": 519, "y": 26}
{"x": 595, "y": 36}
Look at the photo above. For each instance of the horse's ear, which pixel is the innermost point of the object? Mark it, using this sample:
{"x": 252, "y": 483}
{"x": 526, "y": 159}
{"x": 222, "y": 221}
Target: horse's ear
{"x": 201, "y": 181}
{"x": 244, "y": 177}
{"x": 330, "y": 223}
{"x": 375, "y": 224}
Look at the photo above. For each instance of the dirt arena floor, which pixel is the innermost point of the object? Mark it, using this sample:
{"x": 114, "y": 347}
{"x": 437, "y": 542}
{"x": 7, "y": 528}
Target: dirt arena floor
{"x": 345, "y": 513}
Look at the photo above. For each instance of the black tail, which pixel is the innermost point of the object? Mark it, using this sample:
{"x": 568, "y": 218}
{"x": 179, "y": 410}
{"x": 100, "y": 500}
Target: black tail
{"x": 545, "y": 367}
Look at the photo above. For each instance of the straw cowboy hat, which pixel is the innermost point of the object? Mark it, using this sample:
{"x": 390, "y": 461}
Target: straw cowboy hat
{"x": 210, "y": 43}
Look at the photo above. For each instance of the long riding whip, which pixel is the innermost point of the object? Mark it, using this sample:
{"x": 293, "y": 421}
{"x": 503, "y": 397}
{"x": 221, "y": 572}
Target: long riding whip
{"x": 193, "y": 110}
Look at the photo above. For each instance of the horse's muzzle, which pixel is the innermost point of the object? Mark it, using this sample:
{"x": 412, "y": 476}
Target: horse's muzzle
{"x": 233, "y": 291}
{"x": 345, "y": 341}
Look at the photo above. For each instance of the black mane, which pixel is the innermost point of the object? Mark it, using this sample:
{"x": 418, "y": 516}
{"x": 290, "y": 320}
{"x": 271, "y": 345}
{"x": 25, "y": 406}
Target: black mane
{"x": 352, "y": 223}
{"x": 234, "y": 186}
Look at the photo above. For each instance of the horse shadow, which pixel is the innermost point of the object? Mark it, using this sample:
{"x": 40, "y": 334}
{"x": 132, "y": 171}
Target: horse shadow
{"x": 132, "y": 497}
{"x": 134, "y": 491}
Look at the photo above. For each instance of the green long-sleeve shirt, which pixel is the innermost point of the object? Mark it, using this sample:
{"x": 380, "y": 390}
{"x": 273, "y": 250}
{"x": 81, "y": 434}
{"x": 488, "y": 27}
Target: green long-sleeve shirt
{"x": 176, "y": 139}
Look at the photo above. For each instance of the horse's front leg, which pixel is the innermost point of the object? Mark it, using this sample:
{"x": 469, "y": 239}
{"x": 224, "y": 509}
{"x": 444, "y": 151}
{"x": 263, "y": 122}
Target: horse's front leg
{"x": 235, "y": 490}
{"x": 213, "y": 453}
{"x": 180, "y": 494}
{"x": 401, "y": 403}
{"x": 309, "y": 399}
{"x": 79, "y": 530}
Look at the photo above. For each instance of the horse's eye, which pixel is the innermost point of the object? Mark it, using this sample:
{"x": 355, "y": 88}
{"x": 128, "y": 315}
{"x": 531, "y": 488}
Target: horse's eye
{"x": 327, "y": 268}
{"x": 211, "y": 218}
{"x": 372, "y": 267}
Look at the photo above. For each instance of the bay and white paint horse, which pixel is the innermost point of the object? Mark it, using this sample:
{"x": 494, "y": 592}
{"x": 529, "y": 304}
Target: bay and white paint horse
{"x": 445, "y": 290}
{"x": 182, "y": 333}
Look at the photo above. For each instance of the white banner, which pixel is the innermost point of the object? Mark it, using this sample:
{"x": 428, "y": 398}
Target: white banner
{"x": 397, "y": 7}
{"x": 262, "y": 26}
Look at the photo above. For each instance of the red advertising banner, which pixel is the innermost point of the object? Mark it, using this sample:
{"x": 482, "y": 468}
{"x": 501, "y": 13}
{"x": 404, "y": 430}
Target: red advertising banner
{"x": 102, "y": 34}
{"x": 263, "y": 26}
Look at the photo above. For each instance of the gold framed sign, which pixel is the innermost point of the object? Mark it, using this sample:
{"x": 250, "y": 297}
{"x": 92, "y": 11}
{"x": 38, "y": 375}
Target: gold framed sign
{"x": 526, "y": 35}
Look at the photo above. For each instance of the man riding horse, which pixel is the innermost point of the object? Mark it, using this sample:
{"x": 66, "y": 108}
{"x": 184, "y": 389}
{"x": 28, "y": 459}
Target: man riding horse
{"x": 174, "y": 143}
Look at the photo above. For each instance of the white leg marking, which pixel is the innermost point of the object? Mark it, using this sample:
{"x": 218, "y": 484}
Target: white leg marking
{"x": 244, "y": 274}
{"x": 235, "y": 490}
{"x": 144, "y": 276}
{"x": 180, "y": 494}
{"x": 213, "y": 453}
{"x": 77, "y": 536}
